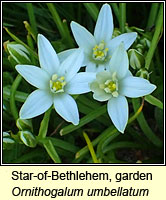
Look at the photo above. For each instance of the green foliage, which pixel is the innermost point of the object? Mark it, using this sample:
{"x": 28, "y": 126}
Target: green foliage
{"x": 48, "y": 138}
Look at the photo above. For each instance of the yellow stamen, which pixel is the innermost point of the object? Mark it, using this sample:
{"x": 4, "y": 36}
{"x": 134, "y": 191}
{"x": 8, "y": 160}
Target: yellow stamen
{"x": 100, "y": 52}
{"x": 57, "y": 84}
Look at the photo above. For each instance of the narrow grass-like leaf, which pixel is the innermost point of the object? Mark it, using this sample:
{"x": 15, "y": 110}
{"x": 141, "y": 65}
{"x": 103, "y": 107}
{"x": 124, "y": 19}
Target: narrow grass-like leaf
{"x": 88, "y": 118}
{"x": 48, "y": 145}
{"x": 19, "y": 96}
{"x": 32, "y": 17}
{"x": 63, "y": 145}
{"x": 28, "y": 156}
{"x": 57, "y": 19}
{"x": 21, "y": 42}
{"x": 44, "y": 124}
{"x": 145, "y": 127}
{"x": 14, "y": 87}
{"x": 92, "y": 10}
{"x": 156, "y": 37}
{"x": 154, "y": 101}
{"x": 90, "y": 147}
{"x": 107, "y": 135}
{"x": 116, "y": 10}
{"x": 152, "y": 15}
{"x": 124, "y": 144}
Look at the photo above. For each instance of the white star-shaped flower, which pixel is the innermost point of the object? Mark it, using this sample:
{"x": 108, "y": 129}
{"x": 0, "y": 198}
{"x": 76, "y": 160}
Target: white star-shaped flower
{"x": 99, "y": 48}
{"x": 55, "y": 82}
{"x": 116, "y": 83}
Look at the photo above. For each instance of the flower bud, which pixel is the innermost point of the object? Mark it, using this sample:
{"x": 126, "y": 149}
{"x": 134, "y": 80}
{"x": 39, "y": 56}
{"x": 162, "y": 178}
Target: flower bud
{"x": 27, "y": 138}
{"x": 143, "y": 73}
{"x": 140, "y": 48}
{"x": 116, "y": 32}
{"x": 145, "y": 42}
{"x": 136, "y": 59}
{"x": 24, "y": 124}
{"x": 19, "y": 53}
{"x": 7, "y": 141}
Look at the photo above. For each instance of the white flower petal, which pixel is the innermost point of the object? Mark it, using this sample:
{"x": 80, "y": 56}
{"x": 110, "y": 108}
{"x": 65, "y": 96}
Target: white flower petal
{"x": 66, "y": 107}
{"x": 104, "y": 25}
{"x": 99, "y": 94}
{"x": 37, "y": 103}
{"x": 83, "y": 37}
{"x": 103, "y": 76}
{"x": 34, "y": 75}
{"x": 126, "y": 38}
{"x": 47, "y": 55}
{"x": 64, "y": 54}
{"x": 100, "y": 68}
{"x": 118, "y": 112}
{"x": 128, "y": 73}
{"x": 80, "y": 83}
{"x": 135, "y": 87}
{"x": 71, "y": 65}
{"x": 119, "y": 62}
{"x": 91, "y": 67}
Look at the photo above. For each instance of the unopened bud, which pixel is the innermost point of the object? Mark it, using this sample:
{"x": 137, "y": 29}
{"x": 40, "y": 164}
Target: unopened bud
{"x": 19, "y": 53}
{"x": 24, "y": 124}
{"x": 27, "y": 138}
{"x": 143, "y": 73}
{"x": 136, "y": 59}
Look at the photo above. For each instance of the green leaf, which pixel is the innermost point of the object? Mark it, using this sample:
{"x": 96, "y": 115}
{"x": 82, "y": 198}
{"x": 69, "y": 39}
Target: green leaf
{"x": 92, "y": 10}
{"x": 154, "y": 101}
{"x": 88, "y": 118}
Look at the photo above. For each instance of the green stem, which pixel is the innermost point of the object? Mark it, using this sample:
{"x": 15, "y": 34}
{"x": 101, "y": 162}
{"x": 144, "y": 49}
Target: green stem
{"x": 152, "y": 15}
{"x": 14, "y": 87}
{"x": 69, "y": 39}
{"x": 122, "y": 8}
{"x": 155, "y": 39}
{"x": 44, "y": 124}
{"x": 51, "y": 151}
{"x": 32, "y": 18}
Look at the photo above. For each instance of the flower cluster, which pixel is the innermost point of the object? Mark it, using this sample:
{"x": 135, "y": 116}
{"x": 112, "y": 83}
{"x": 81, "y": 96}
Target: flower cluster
{"x": 106, "y": 75}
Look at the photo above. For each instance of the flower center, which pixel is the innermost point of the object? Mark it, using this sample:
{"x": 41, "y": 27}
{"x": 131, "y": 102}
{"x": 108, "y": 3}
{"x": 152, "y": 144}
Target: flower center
{"x": 57, "y": 83}
{"x": 100, "y": 52}
{"x": 111, "y": 85}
